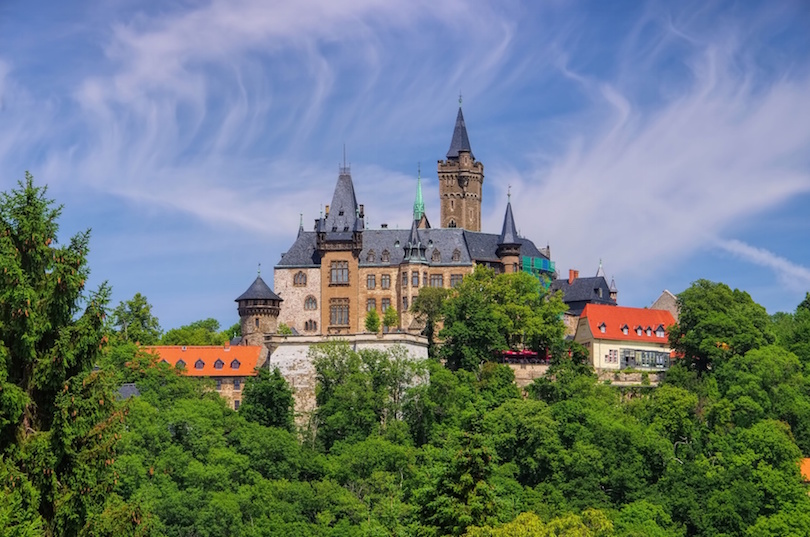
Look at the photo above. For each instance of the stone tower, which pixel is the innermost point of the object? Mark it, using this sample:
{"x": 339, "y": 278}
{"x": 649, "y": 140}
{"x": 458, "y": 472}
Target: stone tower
{"x": 258, "y": 312}
{"x": 460, "y": 182}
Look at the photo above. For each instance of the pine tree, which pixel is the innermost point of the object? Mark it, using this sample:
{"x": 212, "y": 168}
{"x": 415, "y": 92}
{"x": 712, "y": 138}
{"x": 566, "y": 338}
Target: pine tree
{"x": 59, "y": 421}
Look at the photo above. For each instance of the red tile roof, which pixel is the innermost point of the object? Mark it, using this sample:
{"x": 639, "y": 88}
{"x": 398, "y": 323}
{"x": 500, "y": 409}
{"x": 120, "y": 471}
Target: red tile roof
{"x": 236, "y": 360}
{"x": 615, "y": 317}
{"x": 805, "y": 467}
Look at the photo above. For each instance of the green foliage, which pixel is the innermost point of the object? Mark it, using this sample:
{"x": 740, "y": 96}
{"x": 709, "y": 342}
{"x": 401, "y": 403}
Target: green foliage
{"x": 134, "y": 321}
{"x": 268, "y": 400}
{"x": 428, "y": 307}
{"x": 205, "y": 332}
{"x": 372, "y": 321}
{"x": 716, "y": 323}
{"x": 390, "y": 318}
{"x": 284, "y": 330}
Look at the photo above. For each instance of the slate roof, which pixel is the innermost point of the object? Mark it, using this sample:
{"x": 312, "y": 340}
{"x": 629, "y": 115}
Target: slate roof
{"x": 343, "y": 218}
{"x": 460, "y": 141}
{"x": 238, "y": 361}
{"x": 583, "y": 291}
{"x": 509, "y": 233}
{"x": 303, "y": 252}
{"x": 258, "y": 290}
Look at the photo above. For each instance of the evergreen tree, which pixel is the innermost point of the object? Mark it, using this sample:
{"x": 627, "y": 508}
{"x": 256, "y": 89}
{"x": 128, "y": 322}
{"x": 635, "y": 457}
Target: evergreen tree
{"x": 58, "y": 418}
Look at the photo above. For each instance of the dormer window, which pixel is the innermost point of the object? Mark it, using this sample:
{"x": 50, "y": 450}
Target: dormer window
{"x": 436, "y": 257}
{"x": 164, "y": 362}
{"x": 638, "y": 330}
{"x": 598, "y": 291}
{"x": 371, "y": 257}
{"x": 456, "y": 255}
{"x": 340, "y": 213}
{"x": 385, "y": 257}
{"x": 396, "y": 244}
{"x": 660, "y": 331}
{"x": 625, "y": 329}
{"x": 199, "y": 364}
{"x": 602, "y": 327}
{"x": 648, "y": 331}
{"x": 235, "y": 364}
{"x": 219, "y": 364}
{"x": 180, "y": 363}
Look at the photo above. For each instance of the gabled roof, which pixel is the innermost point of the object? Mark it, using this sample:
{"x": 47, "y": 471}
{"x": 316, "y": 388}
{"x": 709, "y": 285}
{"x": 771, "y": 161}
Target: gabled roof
{"x": 614, "y": 317}
{"x": 247, "y": 356}
{"x": 258, "y": 290}
{"x": 460, "y": 141}
{"x": 509, "y": 233}
{"x": 583, "y": 291}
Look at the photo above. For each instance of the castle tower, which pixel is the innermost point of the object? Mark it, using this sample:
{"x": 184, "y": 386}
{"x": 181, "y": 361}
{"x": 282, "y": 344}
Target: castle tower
{"x": 508, "y": 244}
{"x": 339, "y": 241}
{"x": 258, "y": 312}
{"x": 461, "y": 179}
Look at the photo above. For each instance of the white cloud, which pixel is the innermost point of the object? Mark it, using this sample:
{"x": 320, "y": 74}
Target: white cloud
{"x": 790, "y": 274}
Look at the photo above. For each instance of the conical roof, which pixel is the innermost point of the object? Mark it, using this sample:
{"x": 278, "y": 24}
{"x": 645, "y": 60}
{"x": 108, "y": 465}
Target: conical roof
{"x": 613, "y": 288}
{"x": 460, "y": 141}
{"x": 344, "y": 212}
{"x": 600, "y": 272}
{"x": 419, "y": 203}
{"x": 509, "y": 233}
{"x": 258, "y": 290}
{"x": 416, "y": 250}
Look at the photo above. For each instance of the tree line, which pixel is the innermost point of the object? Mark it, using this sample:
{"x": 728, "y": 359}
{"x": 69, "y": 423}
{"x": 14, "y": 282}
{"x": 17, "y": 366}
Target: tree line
{"x": 447, "y": 446}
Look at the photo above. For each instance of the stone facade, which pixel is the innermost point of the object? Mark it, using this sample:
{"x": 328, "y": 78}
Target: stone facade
{"x": 460, "y": 184}
{"x": 295, "y": 286}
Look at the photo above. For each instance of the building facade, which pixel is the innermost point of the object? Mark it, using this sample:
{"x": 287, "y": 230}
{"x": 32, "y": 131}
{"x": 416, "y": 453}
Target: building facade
{"x": 333, "y": 275}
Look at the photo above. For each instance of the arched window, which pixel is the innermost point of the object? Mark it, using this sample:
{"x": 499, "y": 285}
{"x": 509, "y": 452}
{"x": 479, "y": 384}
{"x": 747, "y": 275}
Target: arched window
{"x": 300, "y": 279}
{"x": 310, "y": 326}
{"x": 199, "y": 364}
{"x": 456, "y": 255}
{"x": 371, "y": 257}
{"x": 310, "y": 303}
{"x": 386, "y": 257}
{"x": 219, "y": 364}
{"x": 452, "y": 223}
{"x": 436, "y": 257}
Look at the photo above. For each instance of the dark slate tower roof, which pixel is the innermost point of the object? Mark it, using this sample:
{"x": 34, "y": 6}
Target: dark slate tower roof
{"x": 344, "y": 214}
{"x": 416, "y": 250}
{"x": 258, "y": 290}
{"x": 509, "y": 232}
{"x": 461, "y": 141}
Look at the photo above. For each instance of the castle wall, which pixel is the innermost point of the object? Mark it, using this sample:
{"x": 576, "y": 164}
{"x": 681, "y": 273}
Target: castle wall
{"x": 292, "y": 312}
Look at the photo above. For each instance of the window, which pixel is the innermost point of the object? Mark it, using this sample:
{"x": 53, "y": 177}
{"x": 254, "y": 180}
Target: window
{"x": 219, "y": 364}
{"x": 436, "y": 257}
{"x": 180, "y": 363}
{"x": 456, "y": 254}
{"x": 371, "y": 304}
{"x": 404, "y": 279}
{"x": 219, "y": 384}
{"x": 339, "y": 274}
{"x": 396, "y": 244}
{"x": 415, "y": 279}
{"x": 236, "y": 404}
{"x": 452, "y": 223}
{"x": 199, "y": 364}
{"x": 339, "y": 312}
{"x": 371, "y": 281}
{"x": 256, "y": 322}
{"x": 371, "y": 257}
{"x": 648, "y": 331}
{"x": 660, "y": 332}
{"x": 237, "y": 384}
{"x": 598, "y": 291}
{"x": 235, "y": 364}
{"x": 385, "y": 257}
{"x": 310, "y": 325}
{"x": 310, "y": 303}
{"x": 456, "y": 279}
{"x": 638, "y": 330}
{"x": 625, "y": 329}
{"x": 385, "y": 304}
{"x": 424, "y": 279}
{"x": 436, "y": 280}
{"x": 385, "y": 281}
{"x": 404, "y": 303}
{"x": 300, "y": 279}
{"x": 602, "y": 327}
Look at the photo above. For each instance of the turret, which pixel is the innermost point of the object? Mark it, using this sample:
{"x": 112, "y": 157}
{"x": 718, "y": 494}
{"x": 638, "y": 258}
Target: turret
{"x": 508, "y": 244}
{"x": 461, "y": 180}
{"x": 258, "y": 310}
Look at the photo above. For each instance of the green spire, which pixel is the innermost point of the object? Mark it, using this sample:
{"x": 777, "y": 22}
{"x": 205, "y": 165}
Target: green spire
{"x": 419, "y": 203}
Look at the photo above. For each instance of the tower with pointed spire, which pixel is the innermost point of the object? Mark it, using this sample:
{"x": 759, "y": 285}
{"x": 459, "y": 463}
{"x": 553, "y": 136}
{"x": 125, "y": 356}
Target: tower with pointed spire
{"x": 508, "y": 251}
{"x": 258, "y": 312}
{"x": 461, "y": 179}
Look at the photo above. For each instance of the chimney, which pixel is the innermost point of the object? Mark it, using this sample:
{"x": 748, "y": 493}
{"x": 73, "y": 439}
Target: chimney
{"x": 362, "y": 212}
{"x": 327, "y": 210}
{"x": 572, "y": 275}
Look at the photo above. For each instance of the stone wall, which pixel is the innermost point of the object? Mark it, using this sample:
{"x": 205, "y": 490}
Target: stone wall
{"x": 292, "y": 312}
{"x": 291, "y": 355}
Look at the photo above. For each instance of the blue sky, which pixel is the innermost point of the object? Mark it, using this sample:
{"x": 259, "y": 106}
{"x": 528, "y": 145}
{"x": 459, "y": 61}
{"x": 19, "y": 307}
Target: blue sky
{"x": 671, "y": 140}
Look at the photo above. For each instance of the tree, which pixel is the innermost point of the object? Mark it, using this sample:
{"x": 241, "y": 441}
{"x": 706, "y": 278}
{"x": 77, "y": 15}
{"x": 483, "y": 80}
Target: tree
{"x": 372, "y": 321}
{"x": 205, "y": 332}
{"x": 390, "y": 318}
{"x": 58, "y": 418}
{"x": 428, "y": 308}
{"x": 268, "y": 400}
{"x": 715, "y": 323}
{"x": 135, "y": 321}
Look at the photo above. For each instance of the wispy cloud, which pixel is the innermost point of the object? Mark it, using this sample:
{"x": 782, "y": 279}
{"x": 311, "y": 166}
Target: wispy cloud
{"x": 790, "y": 274}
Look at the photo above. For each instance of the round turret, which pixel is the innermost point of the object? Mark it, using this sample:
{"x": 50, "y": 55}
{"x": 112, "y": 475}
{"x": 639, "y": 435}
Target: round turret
{"x": 258, "y": 312}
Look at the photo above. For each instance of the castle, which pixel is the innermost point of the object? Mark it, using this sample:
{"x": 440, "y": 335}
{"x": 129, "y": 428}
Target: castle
{"x": 333, "y": 275}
